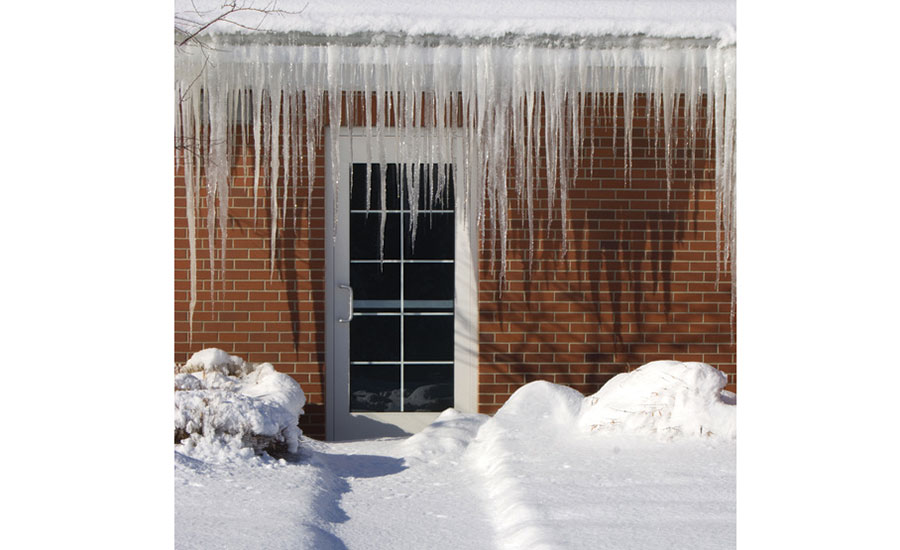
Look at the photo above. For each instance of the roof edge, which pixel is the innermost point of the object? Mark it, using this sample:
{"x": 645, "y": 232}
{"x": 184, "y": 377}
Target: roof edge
{"x": 362, "y": 39}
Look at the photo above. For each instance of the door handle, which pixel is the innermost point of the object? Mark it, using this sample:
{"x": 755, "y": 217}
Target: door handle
{"x": 349, "y": 318}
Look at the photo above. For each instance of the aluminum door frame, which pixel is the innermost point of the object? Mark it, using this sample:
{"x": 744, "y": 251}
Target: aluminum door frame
{"x": 340, "y": 424}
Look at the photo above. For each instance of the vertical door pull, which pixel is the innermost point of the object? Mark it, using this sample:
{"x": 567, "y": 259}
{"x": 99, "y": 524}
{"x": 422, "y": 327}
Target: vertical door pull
{"x": 349, "y": 289}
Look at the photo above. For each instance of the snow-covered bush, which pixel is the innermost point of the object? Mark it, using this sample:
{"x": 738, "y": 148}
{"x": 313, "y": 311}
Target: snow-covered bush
{"x": 665, "y": 398}
{"x": 225, "y": 405}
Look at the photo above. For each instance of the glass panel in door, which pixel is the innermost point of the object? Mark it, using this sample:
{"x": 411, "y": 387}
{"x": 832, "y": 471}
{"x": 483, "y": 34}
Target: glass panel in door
{"x": 401, "y": 335}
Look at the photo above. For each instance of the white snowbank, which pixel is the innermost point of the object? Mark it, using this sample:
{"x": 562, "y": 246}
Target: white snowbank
{"x": 471, "y": 18}
{"x": 534, "y": 419}
{"x": 536, "y": 403}
{"x": 226, "y": 408}
{"x": 667, "y": 399}
{"x": 664, "y": 398}
{"x": 446, "y": 438}
{"x": 551, "y": 484}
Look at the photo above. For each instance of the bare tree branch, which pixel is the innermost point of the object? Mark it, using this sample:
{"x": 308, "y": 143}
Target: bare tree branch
{"x": 231, "y": 7}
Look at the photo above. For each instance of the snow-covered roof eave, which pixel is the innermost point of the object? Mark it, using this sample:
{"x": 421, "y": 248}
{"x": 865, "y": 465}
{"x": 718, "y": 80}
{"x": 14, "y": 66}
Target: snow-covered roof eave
{"x": 370, "y": 38}
{"x": 560, "y": 22}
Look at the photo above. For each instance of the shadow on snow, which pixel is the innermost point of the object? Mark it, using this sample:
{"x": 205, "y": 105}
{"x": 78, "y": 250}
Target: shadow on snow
{"x": 328, "y": 496}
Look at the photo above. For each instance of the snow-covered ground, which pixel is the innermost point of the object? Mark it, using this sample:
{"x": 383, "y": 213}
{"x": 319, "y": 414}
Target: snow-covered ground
{"x": 547, "y": 471}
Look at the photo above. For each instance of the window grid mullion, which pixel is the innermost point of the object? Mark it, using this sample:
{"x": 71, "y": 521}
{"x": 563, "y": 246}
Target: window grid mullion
{"x": 402, "y": 296}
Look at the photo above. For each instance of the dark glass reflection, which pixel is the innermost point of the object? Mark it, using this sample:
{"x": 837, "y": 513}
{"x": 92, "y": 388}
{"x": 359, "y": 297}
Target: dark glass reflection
{"x": 428, "y": 282}
{"x": 365, "y": 230}
{"x": 374, "y": 284}
{"x": 375, "y": 338}
{"x": 428, "y": 337}
{"x": 374, "y": 388}
{"x": 358, "y": 187}
{"x": 434, "y": 237}
{"x": 427, "y": 387}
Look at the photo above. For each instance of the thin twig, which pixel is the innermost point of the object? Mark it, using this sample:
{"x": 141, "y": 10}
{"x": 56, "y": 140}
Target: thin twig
{"x": 232, "y": 8}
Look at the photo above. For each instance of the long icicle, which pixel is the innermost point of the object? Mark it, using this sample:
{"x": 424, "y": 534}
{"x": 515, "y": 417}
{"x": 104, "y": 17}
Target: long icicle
{"x": 533, "y": 102}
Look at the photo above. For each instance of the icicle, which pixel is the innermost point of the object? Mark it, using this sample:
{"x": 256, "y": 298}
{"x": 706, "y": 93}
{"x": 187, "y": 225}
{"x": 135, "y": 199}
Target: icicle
{"x": 219, "y": 154}
{"x": 408, "y": 144}
{"x": 518, "y": 123}
{"x": 533, "y": 112}
{"x": 367, "y": 110}
{"x": 185, "y": 137}
{"x": 596, "y": 98}
{"x": 531, "y": 105}
{"x": 692, "y": 99}
{"x": 717, "y": 87}
{"x": 296, "y": 156}
{"x": 216, "y": 166}
{"x": 257, "y": 143}
{"x": 334, "y": 69}
{"x": 668, "y": 93}
{"x": 728, "y": 171}
{"x": 311, "y": 95}
{"x": 578, "y": 128}
{"x": 628, "y": 111}
{"x": 245, "y": 120}
{"x": 500, "y": 146}
{"x": 179, "y": 130}
{"x": 534, "y": 102}
{"x": 381, "y": 121}
{"x": 285, "y": 151}
{"x": 551, "y": 133}
{"x": 275, "y": 106}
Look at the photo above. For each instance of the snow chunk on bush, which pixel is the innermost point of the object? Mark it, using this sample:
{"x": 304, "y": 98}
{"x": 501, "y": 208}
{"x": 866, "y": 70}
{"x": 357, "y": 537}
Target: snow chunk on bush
{"x": 214, "y": 359}
{"x": 224, "y": 405}
{"x": 665, "y": 398}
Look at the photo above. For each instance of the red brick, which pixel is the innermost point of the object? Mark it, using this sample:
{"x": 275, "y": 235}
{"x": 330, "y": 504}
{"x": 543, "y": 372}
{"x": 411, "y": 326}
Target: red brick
{"x": 640, "y": 280}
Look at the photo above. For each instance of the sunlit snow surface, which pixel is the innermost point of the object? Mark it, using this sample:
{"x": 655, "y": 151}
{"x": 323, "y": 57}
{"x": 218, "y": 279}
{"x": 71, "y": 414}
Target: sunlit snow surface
{"x": 530, "y": 477}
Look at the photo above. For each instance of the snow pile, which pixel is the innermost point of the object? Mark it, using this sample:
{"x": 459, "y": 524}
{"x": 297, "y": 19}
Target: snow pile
{"x": 215, "y": 360}
{"x": 444, "y": 439}
{"x": 539, "y": 403}
{"x": 537, "y": 453}
{"x": 534, "y": 419}
{"x": 226, "y": 408}
{"x": 664, "y": 398}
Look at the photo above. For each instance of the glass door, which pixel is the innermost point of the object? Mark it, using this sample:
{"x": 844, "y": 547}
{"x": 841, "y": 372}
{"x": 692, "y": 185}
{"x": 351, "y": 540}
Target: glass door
{"x": 396, "y": 319}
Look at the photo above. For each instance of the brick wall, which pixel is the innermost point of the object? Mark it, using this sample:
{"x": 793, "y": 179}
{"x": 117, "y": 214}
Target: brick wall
{"x": 256, "y": 312}
{"x": 639, "y": 282}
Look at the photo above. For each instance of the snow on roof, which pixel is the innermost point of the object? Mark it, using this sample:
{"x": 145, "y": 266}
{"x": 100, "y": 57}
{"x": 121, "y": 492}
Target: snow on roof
{"x": 466, "y": 19}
